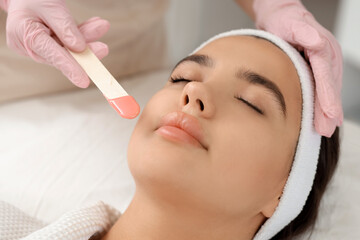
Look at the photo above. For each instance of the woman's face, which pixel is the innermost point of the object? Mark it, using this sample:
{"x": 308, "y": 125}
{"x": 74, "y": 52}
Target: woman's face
{"x": 242, "y": 95}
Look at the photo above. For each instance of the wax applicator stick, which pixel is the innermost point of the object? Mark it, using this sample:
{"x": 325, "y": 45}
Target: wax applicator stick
{"x": 118, "y": 98}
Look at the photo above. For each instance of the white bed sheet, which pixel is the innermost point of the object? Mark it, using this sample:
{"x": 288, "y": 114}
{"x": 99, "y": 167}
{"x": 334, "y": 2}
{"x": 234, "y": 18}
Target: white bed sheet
{"x": 62, "y": 151}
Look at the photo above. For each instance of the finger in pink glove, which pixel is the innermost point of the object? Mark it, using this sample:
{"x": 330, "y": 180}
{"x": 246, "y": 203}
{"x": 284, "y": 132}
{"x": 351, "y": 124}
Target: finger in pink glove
{"x": 290, "y": 20}
{"x": 42, "y": 29}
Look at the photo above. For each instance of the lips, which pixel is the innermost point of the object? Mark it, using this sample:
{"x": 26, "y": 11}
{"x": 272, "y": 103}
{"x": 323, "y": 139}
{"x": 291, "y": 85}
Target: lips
{"x": 182, "y": 127}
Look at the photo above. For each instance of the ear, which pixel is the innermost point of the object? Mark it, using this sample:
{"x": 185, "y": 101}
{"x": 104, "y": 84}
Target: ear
{"x": 269, "y": 208}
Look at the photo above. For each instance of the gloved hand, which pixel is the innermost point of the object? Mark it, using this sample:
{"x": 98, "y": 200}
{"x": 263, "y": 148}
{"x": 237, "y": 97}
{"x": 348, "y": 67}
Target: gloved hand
{"x": 42, "y": 29}
{"x": 289, "y": 20}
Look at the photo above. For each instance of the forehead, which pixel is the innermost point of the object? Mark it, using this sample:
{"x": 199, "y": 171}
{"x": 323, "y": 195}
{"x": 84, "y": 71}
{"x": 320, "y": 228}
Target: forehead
{"x": 261, "y": 56}
{"x": 257, "y": 54}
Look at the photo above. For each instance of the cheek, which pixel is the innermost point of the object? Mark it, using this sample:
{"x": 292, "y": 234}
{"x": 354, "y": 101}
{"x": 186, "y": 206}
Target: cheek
{"x": 160, "y": 103}
{"x": 247, "y": 163}
{"x": 146, "y": 125}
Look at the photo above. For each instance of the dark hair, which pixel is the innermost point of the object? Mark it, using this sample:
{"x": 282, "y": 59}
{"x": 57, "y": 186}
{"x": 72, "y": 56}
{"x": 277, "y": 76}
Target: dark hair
{"x": 327, "y": 162}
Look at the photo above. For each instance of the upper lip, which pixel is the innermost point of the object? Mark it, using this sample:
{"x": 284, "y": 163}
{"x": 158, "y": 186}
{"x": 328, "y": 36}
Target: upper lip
{"x": 185, "y": 122}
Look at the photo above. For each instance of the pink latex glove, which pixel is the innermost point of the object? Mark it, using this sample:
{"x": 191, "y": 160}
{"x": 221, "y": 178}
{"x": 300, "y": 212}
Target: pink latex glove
{"x": 41, "y": 28}
{"x": 289, "y": 20}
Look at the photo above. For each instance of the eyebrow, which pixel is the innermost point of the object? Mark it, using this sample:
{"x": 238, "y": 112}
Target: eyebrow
{"x": 202, "y": 60}
{"x": 257, "y": 79}
{"x": 250, "y": 76}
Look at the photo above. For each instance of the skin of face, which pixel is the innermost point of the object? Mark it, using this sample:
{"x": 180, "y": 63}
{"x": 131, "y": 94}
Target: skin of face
{"x": 238, "y": 179}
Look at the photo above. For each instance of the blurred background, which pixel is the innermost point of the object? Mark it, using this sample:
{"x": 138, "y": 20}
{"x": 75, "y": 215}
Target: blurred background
{"x": 190, "y": 22}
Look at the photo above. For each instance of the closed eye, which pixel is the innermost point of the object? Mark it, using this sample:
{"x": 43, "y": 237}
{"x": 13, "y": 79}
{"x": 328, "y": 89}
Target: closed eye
{"x": 179, "y": 79}
{"x": 250, "y": 105}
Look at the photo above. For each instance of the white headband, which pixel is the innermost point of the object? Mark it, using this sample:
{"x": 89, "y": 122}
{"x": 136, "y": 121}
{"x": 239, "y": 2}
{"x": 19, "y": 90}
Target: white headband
{"x": 303, "y": 170}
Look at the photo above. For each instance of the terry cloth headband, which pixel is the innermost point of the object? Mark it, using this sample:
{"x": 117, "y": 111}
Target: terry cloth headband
{"x": 303, "y": 170}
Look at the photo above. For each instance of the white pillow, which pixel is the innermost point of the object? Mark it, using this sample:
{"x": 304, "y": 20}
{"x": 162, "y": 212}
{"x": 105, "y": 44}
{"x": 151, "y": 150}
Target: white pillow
{"x": 60, "y": 152}
{"x": 339, "y": 210}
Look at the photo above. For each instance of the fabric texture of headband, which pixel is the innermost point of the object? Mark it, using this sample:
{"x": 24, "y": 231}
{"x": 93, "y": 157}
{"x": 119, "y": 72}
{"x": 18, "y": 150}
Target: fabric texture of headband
{"x": 303, "y": 170}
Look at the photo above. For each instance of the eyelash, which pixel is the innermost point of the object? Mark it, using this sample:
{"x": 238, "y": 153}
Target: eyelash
{"x": 250, "y": 105}
{"x": 178, "y": 79}
{"x": 181, "y": 79}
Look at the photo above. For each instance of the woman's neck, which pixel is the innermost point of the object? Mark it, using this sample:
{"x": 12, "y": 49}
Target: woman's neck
{"x": 147, "y": 218}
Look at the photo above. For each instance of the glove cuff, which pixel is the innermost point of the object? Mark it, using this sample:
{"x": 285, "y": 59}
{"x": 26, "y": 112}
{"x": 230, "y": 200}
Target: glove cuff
{"x": 263, "y": 8}
{"x": 271, "y": 4}
{"x": 4, "y": 4}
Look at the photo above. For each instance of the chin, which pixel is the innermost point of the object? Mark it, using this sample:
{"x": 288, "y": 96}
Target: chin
{"x": 158, "y": 165}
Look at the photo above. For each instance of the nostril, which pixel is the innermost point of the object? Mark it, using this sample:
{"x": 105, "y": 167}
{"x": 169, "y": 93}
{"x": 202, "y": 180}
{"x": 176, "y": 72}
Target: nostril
{"x": 186, "y": 99}
{"x": 201, "y": 104}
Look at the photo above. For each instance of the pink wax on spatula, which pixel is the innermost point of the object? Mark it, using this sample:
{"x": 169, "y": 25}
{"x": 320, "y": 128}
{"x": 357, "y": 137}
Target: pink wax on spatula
{"x": 117, "y": 97}
{"x": 126, "y": 106}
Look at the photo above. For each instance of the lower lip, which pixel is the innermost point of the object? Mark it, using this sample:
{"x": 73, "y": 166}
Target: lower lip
{"x": 178, "y": 135}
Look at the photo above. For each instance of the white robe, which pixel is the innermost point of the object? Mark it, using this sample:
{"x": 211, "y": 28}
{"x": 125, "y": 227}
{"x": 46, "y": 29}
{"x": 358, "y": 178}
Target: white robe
{"x": 89, "y": 222}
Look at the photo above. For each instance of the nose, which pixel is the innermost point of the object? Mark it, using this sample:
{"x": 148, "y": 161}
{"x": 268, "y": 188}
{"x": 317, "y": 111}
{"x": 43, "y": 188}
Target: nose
{"x": 196, "y": 100}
